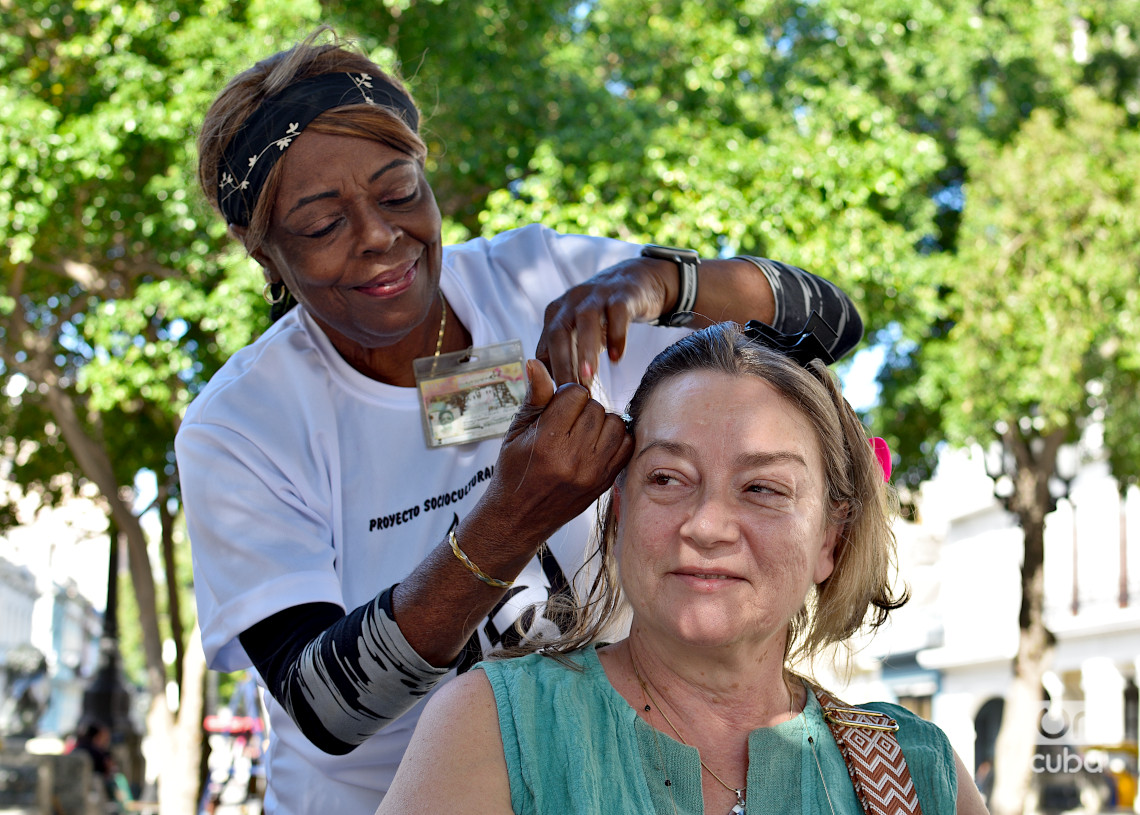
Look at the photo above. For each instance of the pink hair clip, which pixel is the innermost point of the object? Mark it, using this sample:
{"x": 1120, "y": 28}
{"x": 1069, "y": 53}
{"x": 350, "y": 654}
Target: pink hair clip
{"x": 883, "y": 454}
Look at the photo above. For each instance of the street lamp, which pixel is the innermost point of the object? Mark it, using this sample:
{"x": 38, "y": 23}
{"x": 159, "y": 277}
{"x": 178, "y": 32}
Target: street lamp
{"x": 1000, "y": 467}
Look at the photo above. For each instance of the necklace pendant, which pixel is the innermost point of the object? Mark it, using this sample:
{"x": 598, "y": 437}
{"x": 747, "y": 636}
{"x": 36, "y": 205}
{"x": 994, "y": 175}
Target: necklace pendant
{"x": 739, "y": 808}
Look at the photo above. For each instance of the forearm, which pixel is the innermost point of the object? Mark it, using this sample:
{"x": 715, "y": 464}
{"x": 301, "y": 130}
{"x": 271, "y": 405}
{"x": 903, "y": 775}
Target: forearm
{"x": 781, "y": 295}
{"x": 442, "y": 602}
{"x": 797, "y": 293}
{"x": 728, "y": 290}
{"x": 340, "y": 677}
{"x": 561, "y": 452}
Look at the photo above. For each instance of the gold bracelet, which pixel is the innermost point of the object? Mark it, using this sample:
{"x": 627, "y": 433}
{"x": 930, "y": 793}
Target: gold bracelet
{"x": 475, "y": 570}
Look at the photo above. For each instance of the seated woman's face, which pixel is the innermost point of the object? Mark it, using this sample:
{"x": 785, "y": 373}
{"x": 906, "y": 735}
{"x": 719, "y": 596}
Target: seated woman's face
{"x": 355, "y": 235}
{"x": 722, "y": 527}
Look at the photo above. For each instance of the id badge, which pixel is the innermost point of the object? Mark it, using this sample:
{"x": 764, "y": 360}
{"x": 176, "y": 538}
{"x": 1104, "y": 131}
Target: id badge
{"x": 470, "y": 395}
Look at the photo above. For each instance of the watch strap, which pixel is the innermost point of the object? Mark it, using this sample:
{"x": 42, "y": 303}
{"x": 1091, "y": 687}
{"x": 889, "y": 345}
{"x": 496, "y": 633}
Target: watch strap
{"x": 688, "y": 262}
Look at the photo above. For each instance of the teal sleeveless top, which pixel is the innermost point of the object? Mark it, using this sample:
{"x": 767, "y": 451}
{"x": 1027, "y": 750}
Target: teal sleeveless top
{"x": 574, "y": 745}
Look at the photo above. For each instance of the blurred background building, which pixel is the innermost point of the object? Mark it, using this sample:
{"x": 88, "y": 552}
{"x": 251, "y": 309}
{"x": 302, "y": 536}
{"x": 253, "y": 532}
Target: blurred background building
{"x": 53, "y": 589}
{"x": 947, "y": 654}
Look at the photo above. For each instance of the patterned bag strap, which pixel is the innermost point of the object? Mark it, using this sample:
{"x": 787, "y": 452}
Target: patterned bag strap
{"x": 873, "y": 756}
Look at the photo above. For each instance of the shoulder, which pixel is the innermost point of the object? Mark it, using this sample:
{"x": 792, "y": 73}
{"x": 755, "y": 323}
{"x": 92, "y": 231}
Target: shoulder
{"x": 455, "y": 761}
{"x": 532, "y": 674}
{"x": 529, "y": 690}
{"x": 253, "y": 374}
{"x": 917, "y": 735}
{"x": 469, "y": 691}
{"x": 520, "y": 248}
{"x": 929, "y": 756}
{"x": 914, "y": 724}
{"x": 459, "y": 714}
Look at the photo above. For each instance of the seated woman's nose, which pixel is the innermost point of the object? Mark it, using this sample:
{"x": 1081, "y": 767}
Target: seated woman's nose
{"x": 711, "y": 521}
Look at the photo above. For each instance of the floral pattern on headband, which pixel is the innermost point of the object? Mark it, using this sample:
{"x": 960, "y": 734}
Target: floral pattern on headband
{"x": 279, "y": 121}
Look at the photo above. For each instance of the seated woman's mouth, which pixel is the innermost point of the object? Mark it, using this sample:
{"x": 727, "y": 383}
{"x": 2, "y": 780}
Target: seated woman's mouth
{"x": 708, "y": 581}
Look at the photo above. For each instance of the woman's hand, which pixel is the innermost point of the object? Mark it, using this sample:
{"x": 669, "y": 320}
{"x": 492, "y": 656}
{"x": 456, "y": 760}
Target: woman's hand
{"x": 595, "y": 316}
{"x": 561, "y": 452}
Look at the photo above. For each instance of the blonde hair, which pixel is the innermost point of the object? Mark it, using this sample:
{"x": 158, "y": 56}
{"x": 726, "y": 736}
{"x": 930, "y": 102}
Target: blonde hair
{"x": 859, "y": 590}
{"x": 246, "y": 91}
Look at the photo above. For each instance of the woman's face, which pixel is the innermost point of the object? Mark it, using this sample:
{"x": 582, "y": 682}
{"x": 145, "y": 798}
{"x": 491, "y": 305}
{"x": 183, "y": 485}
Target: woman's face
{"x": 722, "y": 523}
{"x": 355, "y": 236}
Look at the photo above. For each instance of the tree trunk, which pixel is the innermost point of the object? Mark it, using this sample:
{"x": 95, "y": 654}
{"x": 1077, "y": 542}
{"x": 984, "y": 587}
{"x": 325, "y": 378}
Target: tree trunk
{"x": 1013, "y": 758}
{"x": 173, "y": 600}
{"x": 95, "y": 465}
{"x": 180, "y": 780}
{"x": 1031, "y": 501}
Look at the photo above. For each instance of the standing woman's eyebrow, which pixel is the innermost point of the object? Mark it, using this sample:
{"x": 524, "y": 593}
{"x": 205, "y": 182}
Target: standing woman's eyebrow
{"x": 308, "y": 199}
{"x": 390, "y": 165}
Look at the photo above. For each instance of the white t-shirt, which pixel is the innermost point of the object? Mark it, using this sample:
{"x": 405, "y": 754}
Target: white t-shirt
{"x": 305, "y": 481}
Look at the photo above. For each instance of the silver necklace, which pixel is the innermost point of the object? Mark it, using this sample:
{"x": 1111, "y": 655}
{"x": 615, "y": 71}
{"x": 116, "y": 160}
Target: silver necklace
{"x": 741, "y": 804}
{"x": 661, "y": 761}
{"x": 740, "y": 807}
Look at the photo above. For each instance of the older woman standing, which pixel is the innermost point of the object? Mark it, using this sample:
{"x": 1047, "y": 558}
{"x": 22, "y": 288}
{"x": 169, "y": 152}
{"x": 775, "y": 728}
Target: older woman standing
{"x": 751, "y": 524}
{"x": 363, "y": 525}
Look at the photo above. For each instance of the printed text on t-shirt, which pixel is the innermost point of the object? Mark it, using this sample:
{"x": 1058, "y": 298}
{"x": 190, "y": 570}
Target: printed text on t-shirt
{"x": 434, "y": 502}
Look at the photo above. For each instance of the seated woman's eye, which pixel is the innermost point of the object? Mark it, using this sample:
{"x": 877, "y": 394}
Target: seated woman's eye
{"x": 766, "y": 490}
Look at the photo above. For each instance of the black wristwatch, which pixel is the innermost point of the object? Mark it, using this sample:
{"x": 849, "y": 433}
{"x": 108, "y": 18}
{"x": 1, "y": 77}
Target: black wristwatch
{"x": 688, "y": 262}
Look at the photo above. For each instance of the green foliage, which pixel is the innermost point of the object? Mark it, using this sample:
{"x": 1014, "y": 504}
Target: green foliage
{"x": 483, "y": 78}
{"x": 1043, "y": 286}
{"x": 706, "y": 126}
{"x": 1036, "y": 279}
{"x": 118, "y": 293}
{"x": 1049, "y": 242}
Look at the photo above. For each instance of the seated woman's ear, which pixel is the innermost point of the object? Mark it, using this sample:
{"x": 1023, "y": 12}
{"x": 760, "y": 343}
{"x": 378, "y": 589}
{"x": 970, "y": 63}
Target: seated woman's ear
{"x": 833, "y": 537}
{"x": 825, "y": 564}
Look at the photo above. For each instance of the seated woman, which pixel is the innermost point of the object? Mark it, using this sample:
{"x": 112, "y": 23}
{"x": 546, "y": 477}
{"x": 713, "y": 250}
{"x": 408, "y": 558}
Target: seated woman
{"x": 751, "y": 527}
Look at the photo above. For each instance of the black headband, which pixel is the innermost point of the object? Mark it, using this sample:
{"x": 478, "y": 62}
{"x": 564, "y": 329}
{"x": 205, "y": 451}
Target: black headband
{"x": 246, "y": 162}
{"x": 811, "y": 343}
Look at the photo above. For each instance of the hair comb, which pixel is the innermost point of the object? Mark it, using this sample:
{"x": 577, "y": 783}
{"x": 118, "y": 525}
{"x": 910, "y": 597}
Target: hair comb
{"x": 810, "y": 343}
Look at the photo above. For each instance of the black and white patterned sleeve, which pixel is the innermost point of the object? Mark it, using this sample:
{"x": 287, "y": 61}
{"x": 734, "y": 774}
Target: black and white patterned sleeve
{"x": 798, "y": 293}
{"x": 340, "y": 677}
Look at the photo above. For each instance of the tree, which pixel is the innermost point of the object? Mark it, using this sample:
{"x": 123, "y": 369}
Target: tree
{"x": 117, "y": 301}
{"x": 1027, "y": 342}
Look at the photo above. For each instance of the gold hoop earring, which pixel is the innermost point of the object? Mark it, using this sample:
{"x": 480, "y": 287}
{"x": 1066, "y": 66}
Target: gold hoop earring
{"x": 267, "y": 293}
